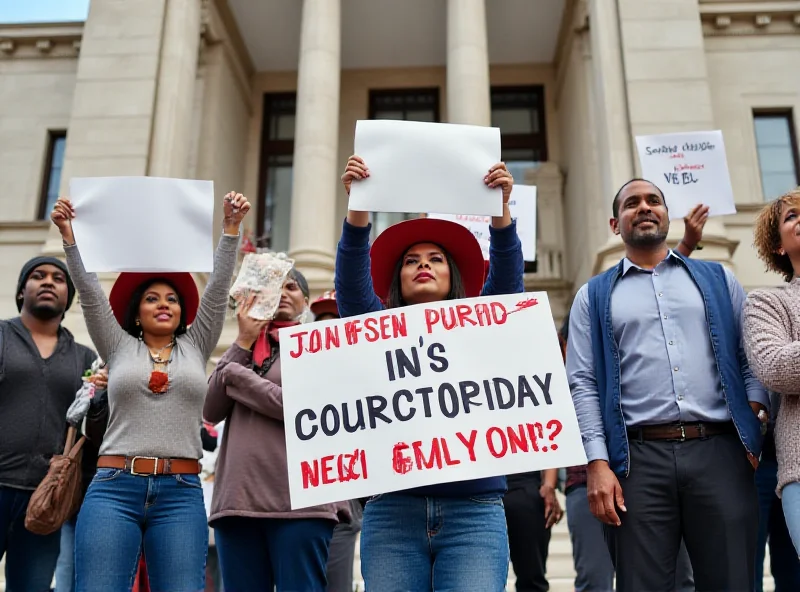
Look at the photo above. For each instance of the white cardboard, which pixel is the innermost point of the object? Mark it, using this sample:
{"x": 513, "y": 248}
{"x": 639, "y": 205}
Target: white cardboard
{"x": 426, "y": 167}
{"x": 143, "y": 224}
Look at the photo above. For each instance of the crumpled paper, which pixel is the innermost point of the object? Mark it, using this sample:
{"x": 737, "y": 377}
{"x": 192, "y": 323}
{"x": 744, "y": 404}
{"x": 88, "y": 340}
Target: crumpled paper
{"x": 262, "y": 274}
{"x": 83, "y": 398}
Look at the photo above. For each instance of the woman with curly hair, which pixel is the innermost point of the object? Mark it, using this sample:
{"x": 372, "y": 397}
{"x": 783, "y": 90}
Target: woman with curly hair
{"x": 772, "y": 341}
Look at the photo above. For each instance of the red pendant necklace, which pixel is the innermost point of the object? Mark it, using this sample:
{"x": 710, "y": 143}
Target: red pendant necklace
{"x": 159, "y": 378}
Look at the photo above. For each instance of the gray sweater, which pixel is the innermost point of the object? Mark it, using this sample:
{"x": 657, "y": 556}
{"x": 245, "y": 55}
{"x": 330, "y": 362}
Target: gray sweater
{"x": 772, "y": 344}
{"x": 142, "y": 423}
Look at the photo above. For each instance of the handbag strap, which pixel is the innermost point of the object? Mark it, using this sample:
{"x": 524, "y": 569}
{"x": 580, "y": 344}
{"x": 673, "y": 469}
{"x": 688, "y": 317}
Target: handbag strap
{"x": 77, "y": 448}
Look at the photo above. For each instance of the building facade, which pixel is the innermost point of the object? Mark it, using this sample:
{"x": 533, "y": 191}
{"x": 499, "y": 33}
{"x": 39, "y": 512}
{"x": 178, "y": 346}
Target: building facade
{"x": 263, "y": 96}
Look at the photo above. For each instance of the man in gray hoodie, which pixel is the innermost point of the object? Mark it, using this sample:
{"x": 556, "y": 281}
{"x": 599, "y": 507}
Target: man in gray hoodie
{"x": 40, "y": 371}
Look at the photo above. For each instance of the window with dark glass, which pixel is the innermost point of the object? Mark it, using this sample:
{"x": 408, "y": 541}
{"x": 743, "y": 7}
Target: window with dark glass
{"x": 776, "y": 144}
{"x": 404, "y": 105}
{"x": 275, "y": 179}
{"x": 519, "y": 113}
{"x": 51, "y": 180}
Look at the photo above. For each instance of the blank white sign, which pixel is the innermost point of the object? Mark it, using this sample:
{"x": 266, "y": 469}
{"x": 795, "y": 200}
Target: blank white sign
{"x": 426, "y": 167}
{"x": 143, "y": 224}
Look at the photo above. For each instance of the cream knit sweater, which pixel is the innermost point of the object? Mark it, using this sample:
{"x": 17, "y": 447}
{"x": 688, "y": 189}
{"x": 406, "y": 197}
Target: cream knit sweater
{"x": 772, "y": 343}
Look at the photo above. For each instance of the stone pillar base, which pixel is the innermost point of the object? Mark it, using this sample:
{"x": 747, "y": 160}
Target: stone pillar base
{"x": 317, "y": 265}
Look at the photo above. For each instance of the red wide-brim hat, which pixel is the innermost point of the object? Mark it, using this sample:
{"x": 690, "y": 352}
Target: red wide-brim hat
{"x": 324, "y": 305}
{"x": 128, "y": 282}
{"x": 454, "y": 238}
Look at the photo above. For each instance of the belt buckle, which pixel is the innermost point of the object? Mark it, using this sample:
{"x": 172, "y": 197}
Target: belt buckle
{"x": 155, "y": 465}
{"x": 683, "y": 433}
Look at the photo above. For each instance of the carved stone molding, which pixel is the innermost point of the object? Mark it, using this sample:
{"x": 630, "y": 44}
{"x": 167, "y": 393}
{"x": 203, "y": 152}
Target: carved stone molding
{"x": 40, "y": 40}
{"x": 740, "y": 18}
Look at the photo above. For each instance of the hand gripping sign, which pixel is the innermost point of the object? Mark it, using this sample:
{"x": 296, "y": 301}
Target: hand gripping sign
{"x": 425, "y": 394}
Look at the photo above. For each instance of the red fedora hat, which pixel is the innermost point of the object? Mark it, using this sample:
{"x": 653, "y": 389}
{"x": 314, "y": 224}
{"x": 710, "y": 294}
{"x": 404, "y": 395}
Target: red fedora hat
{"x": 128, "y": 282}
{"x": 454, "y": 238}
{"x": 325, "y": 304}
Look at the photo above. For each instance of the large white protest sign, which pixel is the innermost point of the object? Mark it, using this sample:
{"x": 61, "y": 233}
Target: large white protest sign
{"x": 426, "y": 167}
{"x": 690, "y": 168}
{"x": 143, "y": 223}
{"x": 521, "y": 205}
{"x": 425, "y": 394}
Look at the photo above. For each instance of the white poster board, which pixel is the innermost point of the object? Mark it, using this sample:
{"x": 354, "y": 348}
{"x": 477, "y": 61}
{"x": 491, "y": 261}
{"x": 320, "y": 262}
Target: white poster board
{"x": 521, "y": 205}
{"x": 143, "y": 223}
{"x": 425, "y": 394}
{"x": 690, "y": 168}
{"x": 420, "y": 167}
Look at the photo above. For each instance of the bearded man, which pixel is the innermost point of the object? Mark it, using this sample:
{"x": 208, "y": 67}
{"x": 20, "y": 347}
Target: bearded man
{"x": 670, "y": 414}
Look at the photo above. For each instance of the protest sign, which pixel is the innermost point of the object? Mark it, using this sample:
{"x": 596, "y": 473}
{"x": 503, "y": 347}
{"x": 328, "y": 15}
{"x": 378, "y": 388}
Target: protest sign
{"x": 422, "y": 167}
{"x": 419, "y": 395}
{"x": 143, "y": 223}
{"x": 521, "y": 205}
{"x": 690, "y": 168}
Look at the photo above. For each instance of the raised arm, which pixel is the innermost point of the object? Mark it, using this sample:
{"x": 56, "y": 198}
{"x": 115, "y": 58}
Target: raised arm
{"x": 355, "y": 293}
{"x": 694, "y": 222}
{"x": 207, "y": 326}
{"x": 773, "y": 354}
{"x": 103, "y": 328}
{"x": 506, "y": 265}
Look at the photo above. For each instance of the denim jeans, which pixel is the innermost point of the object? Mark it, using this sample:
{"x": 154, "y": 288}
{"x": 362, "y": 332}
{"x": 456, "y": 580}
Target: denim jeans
{"x": 30, "y": 558}
{"x": 65, "y": 568}
{"x": 433, "y": 544}
{"x": 122, "y": 514}
{"x": 790, "y": 498}
{"x": 772, "y": 525}
{"x": 262, "y": 553}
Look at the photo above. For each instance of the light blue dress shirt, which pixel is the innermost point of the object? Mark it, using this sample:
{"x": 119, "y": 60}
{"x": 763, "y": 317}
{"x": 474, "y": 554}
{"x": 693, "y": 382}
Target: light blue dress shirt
{"x": 668, "y": 372}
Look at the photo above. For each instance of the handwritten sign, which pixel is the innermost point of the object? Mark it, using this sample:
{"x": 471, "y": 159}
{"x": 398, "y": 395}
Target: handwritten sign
{"x": 690, "y": 168}
{"x": 425, "y": 394}
{"x": 418, "y": 167}
{"x": 522, "y": 206}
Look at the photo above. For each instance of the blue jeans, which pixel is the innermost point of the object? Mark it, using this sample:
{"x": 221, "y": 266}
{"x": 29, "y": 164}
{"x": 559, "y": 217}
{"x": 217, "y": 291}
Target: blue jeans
{"x": 790, "y": 496}
{"x": 263, "y": 553}
{"x": 771, "y": 524}
{"x": 30, "y": 558}
{"x": 122, "y": 514}
{"x": 433, "y": 544}
{"x": 65, "y": 568}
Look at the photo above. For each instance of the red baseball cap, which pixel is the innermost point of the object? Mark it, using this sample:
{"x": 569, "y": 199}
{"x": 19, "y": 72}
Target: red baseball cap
{"x": 128, "y": 282}
{"x": 454, "y": 238}
{"x": 325, "y": 304}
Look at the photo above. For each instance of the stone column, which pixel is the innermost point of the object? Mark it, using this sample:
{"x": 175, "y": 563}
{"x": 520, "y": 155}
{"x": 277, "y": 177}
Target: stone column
{"x": 467, "y": 63}
{"x": 177, "y": 73}
{"x": 316, "y": 168}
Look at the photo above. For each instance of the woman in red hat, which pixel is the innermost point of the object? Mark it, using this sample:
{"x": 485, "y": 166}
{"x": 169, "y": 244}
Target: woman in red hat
{"x": 450, "y": 536}
{"x": 157, "y": 335}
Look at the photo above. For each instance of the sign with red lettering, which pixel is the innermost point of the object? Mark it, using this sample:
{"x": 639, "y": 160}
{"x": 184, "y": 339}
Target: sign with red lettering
{"x": 426, "y": 394}
{"x": 521, "y": 205}
{"x": 691, "y": 169}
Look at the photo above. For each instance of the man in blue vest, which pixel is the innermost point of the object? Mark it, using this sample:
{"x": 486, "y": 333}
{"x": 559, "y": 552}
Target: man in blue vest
{"x": 669, "y": 412}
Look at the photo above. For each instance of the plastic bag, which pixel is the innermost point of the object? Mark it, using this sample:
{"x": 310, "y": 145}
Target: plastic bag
{"x": 262, "y": 274}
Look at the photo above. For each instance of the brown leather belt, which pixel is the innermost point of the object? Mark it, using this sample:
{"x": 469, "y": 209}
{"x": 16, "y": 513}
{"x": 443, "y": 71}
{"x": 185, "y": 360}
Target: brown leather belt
{"x": 148, "y": 465}
{"x": 681, "y": 431}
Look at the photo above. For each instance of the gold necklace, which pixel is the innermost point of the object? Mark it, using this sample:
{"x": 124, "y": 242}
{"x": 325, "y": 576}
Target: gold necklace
{"x": 159, "y": 380}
